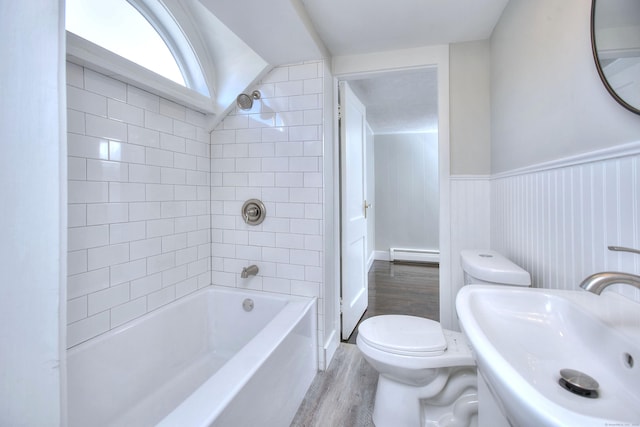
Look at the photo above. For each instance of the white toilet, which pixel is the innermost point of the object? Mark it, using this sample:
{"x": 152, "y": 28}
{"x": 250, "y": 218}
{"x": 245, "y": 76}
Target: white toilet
{"x": 427, "y": 374}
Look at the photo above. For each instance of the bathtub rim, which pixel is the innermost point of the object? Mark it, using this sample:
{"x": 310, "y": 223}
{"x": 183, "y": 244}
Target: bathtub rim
{"x": 171, "y": 305}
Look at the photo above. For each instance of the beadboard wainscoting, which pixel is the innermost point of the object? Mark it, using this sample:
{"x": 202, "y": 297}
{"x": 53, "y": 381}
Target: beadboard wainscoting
{"x": 557, "y": 219}
{"x": 470, "y": 229}
{"x": 139, "y": 203}
{"x": 273, "y": 153}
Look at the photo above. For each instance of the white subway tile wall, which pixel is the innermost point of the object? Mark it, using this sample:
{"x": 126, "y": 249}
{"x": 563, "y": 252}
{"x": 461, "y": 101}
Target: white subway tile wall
{"x": 272, "y": 152}
{"x": 154, "y": 200}
{"x": 139, "y": 203}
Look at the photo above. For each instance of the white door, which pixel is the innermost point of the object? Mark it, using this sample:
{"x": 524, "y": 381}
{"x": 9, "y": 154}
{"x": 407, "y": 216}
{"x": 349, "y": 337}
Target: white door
{"x": 354, "y": 286}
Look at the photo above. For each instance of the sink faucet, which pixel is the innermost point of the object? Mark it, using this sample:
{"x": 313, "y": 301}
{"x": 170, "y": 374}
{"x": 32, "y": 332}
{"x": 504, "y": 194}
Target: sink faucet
{"x": 597, "y": 282}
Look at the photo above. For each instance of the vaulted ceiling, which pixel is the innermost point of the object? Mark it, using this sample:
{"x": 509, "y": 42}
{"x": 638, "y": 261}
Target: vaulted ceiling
{"x": 288, "y": 31}
{"x": 291, "y": 31}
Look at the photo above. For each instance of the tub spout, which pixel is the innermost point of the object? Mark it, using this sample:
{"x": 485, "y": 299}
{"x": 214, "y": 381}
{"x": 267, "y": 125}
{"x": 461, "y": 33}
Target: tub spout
{"x": 252, "y": 270}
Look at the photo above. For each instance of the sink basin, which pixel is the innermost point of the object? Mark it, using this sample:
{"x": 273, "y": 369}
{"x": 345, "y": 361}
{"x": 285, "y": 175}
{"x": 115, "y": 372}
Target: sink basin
{"x": 523, "y": 338}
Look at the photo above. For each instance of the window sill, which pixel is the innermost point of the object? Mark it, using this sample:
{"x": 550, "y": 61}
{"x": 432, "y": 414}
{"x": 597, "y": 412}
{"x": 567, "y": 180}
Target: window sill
{"x": 94, "y": 57}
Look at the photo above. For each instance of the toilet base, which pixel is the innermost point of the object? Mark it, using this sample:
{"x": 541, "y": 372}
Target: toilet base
{"x": 449, "y": 400}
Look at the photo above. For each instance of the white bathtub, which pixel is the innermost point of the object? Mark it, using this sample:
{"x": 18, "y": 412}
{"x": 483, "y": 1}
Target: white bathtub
{"x": 201, "y": 361}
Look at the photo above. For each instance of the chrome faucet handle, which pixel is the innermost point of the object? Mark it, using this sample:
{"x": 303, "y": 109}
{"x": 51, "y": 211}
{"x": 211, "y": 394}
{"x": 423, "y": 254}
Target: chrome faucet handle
{"x": 623, "y": 249}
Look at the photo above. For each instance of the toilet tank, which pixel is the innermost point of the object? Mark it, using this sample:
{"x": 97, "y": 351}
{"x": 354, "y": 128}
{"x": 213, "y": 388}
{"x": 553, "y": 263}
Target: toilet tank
{"x": 490, "y": 267}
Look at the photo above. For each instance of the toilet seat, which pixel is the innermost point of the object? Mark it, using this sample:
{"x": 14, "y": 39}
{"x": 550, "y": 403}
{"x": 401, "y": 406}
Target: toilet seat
{"x": 404, "y": 335}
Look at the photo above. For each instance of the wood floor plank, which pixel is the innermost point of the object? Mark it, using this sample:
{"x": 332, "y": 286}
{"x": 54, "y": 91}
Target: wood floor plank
{"x": 343, "y": 395}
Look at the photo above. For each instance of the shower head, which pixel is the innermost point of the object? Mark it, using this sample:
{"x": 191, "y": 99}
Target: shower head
{"x": 245, "y": 102}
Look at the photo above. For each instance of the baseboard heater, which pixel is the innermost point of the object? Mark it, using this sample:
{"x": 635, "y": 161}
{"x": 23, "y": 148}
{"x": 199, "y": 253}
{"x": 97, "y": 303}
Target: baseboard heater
{"x": 414, "y": 255}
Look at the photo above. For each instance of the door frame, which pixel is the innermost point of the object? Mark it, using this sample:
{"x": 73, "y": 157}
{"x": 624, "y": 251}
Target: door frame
{"x": 366, "y": 65}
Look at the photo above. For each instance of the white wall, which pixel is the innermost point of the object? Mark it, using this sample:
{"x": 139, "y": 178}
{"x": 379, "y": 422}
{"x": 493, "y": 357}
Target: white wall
{"x": 273, "y": 153}
{"x": 33, "y": 213}
{"x": 547, "y": 104}
{"x": 407, "y": 196}
{"x": 547, "y": 101}
{"x": 139, "y": 224}
{"x": 331, "y": 202}
{"x": 370, "y": 170}
{"x": 556, "y": 218}
{"x": 469, "y": 183}
{"x": 470, "y": 225}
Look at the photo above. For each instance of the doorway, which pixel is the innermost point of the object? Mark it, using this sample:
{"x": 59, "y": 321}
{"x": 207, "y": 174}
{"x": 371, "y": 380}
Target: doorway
{"x": 400, "y": 168}
{"x": 402, "y": 288}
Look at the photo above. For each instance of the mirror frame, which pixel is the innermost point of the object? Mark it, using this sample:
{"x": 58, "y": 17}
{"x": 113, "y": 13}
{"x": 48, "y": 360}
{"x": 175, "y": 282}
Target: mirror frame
{"x": 599, "y": 68}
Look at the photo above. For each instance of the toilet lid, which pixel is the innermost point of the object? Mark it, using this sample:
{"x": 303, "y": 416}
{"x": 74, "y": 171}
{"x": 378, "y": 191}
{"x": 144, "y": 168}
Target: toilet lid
{"x": 404, "y": 335}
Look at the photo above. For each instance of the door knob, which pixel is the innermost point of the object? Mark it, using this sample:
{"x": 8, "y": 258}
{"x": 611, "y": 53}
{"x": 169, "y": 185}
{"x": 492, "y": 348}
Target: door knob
{"x": 366, "y": 206}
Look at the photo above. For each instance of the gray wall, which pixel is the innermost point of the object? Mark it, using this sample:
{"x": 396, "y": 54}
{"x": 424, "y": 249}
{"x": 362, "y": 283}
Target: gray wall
{"x": 470, "y": 120}
{"x": 406, "y": 183}
{"x": 547, "y": 101}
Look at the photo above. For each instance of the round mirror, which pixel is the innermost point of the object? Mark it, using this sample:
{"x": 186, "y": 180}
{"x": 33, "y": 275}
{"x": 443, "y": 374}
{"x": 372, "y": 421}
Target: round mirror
{"x": 615, "y": 39}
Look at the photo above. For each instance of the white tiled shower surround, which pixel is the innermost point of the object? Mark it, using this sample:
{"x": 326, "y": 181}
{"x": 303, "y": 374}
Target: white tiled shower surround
{"x": 139, "y": 203}
{"x": 272, "y": 152}
{"x": 154, "y": 200}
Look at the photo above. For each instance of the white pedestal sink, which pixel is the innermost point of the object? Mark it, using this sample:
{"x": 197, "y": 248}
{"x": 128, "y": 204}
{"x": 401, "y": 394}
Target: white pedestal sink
{"x": 522, "y": 338}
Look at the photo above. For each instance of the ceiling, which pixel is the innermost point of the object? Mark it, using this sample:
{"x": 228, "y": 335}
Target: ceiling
{"x": 400, "y": 102}
{"x": 349, "y": 27}
{"x": 292, "y": 31}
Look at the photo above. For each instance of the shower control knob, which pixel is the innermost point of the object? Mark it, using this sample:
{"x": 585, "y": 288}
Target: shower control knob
{"x": 253, "y": 212}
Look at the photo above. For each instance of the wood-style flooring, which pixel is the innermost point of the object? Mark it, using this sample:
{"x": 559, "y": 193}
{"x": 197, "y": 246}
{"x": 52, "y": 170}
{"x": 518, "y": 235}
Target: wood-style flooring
{"x": 343, "y": 395}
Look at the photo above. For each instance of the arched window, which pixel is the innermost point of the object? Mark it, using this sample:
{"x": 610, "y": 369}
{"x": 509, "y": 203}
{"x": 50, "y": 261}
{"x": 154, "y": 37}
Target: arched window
{"x": 143, "y": 32}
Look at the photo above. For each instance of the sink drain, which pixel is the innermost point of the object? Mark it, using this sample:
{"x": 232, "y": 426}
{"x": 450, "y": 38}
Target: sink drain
{"x": 579, "y": 383}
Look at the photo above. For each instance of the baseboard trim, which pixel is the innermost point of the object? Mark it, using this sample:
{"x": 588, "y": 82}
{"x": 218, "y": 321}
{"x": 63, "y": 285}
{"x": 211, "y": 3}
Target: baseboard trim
{"x": 330, "y": 347}
{"x": 414, "y": 255}
{"x": 372, "y": 257}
